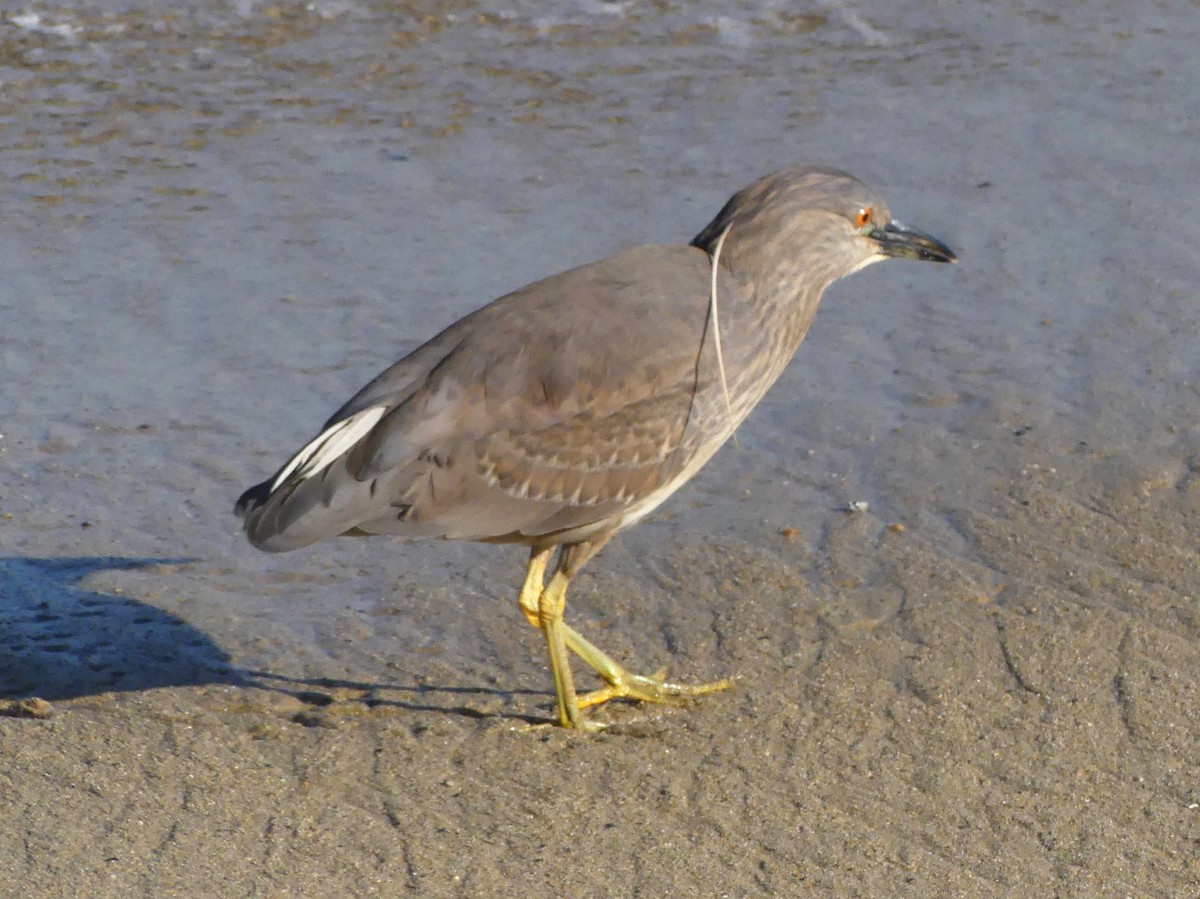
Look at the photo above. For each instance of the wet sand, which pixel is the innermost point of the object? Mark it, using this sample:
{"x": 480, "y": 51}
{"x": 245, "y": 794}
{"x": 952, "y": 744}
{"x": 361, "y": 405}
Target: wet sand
{"x": 220, "y": 223}
{"x": 972, "y": 738}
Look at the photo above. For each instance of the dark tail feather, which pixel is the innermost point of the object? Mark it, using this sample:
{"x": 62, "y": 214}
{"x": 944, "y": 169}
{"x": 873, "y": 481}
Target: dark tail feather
{"x": 253, "y": 498}
{"x": 261, "y": 509}
{"x": 302, "y": 510}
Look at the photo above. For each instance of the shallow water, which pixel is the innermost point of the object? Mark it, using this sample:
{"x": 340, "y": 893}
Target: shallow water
{"x": 220, "y": 223}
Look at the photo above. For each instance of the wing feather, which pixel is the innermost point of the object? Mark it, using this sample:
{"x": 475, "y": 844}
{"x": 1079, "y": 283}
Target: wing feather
{"x": 554, "y": 407}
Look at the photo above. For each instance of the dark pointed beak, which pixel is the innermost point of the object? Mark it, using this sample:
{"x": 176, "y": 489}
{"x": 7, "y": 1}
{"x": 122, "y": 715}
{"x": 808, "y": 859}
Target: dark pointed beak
{"x": 895, "y": 239}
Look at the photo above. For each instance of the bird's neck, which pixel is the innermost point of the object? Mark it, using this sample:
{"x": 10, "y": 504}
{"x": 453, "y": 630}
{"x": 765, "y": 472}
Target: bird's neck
{"x": 783, "y": 293}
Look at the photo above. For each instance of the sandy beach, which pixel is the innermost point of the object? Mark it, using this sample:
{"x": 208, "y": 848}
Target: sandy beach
{"x": 985, "y": 682}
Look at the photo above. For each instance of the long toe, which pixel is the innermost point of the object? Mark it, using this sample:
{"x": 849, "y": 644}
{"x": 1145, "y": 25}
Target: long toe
{"x": 655, "y": 688}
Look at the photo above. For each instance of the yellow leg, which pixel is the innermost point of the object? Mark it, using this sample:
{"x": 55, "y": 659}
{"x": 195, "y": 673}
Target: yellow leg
{"x": 543, "y": 605}
{"x": 550, "y": 613}
{"x": 531, "y": 590}
{"x": 624, "y": 685}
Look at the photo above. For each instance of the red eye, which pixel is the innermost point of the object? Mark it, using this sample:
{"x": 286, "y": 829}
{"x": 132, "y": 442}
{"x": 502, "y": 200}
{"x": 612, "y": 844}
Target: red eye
{"x": 864, "y": 217}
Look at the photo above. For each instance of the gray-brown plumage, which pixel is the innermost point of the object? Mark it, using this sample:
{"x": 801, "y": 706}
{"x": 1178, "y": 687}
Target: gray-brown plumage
{"x": 571, "y": 408}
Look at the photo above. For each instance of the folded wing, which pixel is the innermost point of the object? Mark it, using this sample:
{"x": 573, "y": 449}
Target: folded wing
{"x": 549, "y": 411}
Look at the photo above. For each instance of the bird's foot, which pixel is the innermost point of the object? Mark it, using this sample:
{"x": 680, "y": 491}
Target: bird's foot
{"x": 587, "y": 725}
{"x": 655, "y": 688}
{"x": 621, "y": 684}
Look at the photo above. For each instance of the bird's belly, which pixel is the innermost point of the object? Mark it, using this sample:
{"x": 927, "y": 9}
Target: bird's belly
{"x": 722, "y": 421}
{"x": 644, "y": 507}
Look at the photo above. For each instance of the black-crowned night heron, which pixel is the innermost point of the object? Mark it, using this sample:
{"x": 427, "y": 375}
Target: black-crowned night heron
{"x": 561, "y": 413}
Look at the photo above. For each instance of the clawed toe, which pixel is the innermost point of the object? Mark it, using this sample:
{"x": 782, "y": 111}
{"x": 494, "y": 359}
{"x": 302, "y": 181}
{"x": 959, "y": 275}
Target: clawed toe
{"x": 655, "y": 688}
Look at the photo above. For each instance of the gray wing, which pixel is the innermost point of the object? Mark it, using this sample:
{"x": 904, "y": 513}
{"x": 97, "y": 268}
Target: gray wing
{"x": 553, "y": 409}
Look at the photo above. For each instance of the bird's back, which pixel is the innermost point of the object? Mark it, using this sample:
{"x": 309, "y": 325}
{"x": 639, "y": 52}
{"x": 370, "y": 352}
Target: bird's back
{"x": 545, "y": 415}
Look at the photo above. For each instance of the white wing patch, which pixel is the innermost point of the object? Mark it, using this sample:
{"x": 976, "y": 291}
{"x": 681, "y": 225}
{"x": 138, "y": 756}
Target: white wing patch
{"x": 330, "y": 445}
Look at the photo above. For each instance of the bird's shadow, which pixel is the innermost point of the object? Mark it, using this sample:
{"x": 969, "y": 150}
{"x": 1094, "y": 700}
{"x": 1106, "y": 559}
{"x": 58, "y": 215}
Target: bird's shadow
{"x": 60, "y": 640}
{"x": 326, "y": 691}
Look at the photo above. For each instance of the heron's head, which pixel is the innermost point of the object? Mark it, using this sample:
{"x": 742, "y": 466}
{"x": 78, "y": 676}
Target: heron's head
{"x": 810, "y": 226}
